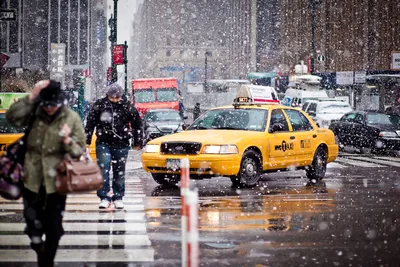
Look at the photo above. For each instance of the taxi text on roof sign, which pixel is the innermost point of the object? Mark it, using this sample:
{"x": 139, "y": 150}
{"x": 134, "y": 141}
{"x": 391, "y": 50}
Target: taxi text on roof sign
{"x": 256, "y": 94}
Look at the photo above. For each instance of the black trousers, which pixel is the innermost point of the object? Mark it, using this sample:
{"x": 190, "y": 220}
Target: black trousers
{"x": 43, "y": 215}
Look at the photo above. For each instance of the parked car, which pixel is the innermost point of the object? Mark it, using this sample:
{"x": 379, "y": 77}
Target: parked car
{"x": 326, "y": 111}
{"x": 368, "y": 129}
{"x": 160, "y": 122}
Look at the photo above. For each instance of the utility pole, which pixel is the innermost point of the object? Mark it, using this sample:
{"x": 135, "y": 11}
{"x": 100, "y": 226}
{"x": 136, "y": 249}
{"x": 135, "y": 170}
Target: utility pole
{"x": 126, "y": 67}
{"x": 205, "y": 71}
{"x": 312, "y": 5}
{"x": 113, "y": 39}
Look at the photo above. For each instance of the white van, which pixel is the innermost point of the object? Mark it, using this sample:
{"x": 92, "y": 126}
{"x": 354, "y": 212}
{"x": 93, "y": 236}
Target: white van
{"x": 296, "y": 97}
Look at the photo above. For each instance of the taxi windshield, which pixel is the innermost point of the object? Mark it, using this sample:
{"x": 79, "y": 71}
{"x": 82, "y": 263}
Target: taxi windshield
{"x": 232, "y": 119}
{"x": 6, "y": 127}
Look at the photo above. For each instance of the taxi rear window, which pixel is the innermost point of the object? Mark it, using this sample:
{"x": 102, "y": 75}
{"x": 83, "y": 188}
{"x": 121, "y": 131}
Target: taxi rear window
{"x": 232, "y": 119}
{"x": 6, "y": 127}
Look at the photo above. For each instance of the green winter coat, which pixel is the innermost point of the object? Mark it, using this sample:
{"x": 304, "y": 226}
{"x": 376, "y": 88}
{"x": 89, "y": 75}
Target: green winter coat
{"x": 45, "y": 147}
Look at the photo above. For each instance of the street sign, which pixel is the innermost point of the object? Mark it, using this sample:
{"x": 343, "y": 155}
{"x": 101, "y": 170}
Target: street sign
{"x": 8, "y": 14}
{"x": 344, "y": 77}
{"x": 57, "y": 63}
{"x": 118, "y": 54}
{"x": 395, "y": 61}
{"x": 321, "y": 58}
{"x": 360, "y": 77}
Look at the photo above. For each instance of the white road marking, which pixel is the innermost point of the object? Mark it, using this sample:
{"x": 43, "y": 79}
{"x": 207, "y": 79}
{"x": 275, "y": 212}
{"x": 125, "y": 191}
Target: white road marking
{"x": 388, "y": 158}
{"x": 74, "y": 207}
{"x": 378, "y": 161}
{"x": 82, "y": 227}
{"x": 83, "y": 240}
{"x": 358, "y": 163}
{"x": 90, "y": 216}
{"x": 83, "y": 255}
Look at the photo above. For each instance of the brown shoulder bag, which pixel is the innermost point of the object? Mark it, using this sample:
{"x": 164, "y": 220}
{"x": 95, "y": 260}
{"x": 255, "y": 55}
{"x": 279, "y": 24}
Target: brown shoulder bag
{"x": 78, "y": 176}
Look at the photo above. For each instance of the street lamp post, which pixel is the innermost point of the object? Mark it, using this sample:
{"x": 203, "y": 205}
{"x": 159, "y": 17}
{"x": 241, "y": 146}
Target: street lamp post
{"x": 113, "y": 40}
{"x": 312, "y": 5}
{"x": 205, "y": 71}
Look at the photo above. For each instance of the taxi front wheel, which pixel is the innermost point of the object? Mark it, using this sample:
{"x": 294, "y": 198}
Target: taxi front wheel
{"x": 250, "y": 170}
{"x": 316, "y": 171}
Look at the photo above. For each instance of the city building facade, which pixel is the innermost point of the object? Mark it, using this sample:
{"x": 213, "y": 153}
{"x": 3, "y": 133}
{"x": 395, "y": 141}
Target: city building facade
{"x": 80, "y": 25}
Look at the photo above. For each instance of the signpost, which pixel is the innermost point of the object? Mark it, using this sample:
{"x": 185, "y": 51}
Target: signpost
{"x": 344, "y": 77}
{"x": 395, "y": 60}
{"x": 57, "y": 63}
{"x": 8, "y": 14}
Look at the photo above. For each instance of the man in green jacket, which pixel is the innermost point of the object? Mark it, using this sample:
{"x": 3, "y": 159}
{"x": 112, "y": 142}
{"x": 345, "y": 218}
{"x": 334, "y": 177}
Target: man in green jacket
{"x": 56, "y": 131}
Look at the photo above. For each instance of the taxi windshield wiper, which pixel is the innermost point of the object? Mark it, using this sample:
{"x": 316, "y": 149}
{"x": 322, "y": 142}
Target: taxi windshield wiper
{"x": 226, "y": 128}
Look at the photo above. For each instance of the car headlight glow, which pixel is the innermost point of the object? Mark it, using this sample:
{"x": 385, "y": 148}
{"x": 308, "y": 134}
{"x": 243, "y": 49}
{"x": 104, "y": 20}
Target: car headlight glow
{"x": 152, "y": 149}
{"x": 220, "y": 149}
{"x": 387, "y": 134}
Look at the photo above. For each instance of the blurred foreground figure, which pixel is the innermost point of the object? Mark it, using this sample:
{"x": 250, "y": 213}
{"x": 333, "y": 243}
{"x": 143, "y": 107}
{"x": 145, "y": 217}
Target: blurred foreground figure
{"x": 56, "y": 131}
{"x": 113, "y": 117}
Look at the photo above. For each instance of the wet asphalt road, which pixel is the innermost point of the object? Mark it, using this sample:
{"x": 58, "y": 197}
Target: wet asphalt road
{"x": 351, "y": 219}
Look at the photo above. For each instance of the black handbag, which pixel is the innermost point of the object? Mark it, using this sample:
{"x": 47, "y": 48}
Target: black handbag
{"x": 12, "y": 165}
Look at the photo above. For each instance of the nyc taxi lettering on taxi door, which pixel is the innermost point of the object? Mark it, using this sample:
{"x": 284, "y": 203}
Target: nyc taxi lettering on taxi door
{"x": 285, "y": 146}
{"x": 305, "y": 144}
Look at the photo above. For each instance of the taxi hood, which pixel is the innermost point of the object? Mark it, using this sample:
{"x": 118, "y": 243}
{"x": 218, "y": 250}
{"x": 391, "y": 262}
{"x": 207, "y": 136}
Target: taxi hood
{"x": 211, "y": 137}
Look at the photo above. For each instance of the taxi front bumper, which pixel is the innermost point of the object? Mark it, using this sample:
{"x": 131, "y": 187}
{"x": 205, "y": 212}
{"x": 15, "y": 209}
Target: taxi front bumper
{"x": 201, "y": 165}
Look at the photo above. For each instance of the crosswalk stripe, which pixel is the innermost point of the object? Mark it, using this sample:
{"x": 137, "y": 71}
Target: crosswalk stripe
{"x": 83, "y": 255}
{"x": 77, "y": 207}
{"x": 90, "y": 216}
{"x": 88, "y": 200}
{"x": 82, "y": 227}
{"x": 335, "y": 165}
{"x": 388, "y": 158}
{"x": 358, "y": 163}
{"x": 83, "y": 240}
{"x": 377, "y": 161}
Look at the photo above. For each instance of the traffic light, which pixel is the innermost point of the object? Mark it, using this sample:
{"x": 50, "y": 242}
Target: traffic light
{"x": 111, "y": 23}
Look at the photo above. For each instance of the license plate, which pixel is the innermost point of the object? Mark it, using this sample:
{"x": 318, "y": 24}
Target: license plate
{"x": 173, "y": 164}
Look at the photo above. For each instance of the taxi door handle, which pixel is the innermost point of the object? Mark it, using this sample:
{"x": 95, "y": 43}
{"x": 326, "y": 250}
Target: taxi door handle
{"x": 292, "y": 137}
{"x": 314, "y": 135}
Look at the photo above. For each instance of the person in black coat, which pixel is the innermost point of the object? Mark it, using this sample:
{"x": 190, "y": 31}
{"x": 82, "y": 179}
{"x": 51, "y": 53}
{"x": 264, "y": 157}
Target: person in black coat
{"x": 116, "y": 121}
{"x": 196, "y": 111}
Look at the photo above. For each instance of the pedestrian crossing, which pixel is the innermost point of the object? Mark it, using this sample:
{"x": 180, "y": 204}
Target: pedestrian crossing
{"x": 352, "y": 160}
{"x": 91, "y": 235}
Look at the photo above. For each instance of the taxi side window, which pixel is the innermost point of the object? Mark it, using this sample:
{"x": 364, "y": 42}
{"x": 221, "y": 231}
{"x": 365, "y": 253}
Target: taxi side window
{"x": 298, "y": 120}
{"x": 277, "y": 116}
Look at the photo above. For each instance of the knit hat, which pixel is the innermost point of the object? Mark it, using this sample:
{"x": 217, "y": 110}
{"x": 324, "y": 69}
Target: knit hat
{"x": 52, "y": 95}
{"x": 114, "y": 90}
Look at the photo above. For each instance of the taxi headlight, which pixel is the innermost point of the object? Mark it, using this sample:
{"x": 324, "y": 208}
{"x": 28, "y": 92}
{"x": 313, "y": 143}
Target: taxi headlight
{"x": 152, "y": 149}
{"x": 220, "y": 149}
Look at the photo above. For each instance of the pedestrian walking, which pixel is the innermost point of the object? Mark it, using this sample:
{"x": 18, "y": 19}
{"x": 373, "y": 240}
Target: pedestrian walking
{"x": 114, "y": 119}
{"x": 196, "y": 111}
{"x": 56, "y": 131}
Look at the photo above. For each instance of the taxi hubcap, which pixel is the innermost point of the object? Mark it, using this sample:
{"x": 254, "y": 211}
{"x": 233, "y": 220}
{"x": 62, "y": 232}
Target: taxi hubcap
{"x": 249, "y": 169}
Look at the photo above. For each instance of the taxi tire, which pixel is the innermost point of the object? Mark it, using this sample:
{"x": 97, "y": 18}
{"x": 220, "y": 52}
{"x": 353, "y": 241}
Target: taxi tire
{"x": 316, "y": 171}
{"x": 250, "y": 157}
{"x": 164, "y": 179}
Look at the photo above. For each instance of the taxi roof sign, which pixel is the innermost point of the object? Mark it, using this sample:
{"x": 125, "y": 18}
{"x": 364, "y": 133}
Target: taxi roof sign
{"x": 256, "y": 94}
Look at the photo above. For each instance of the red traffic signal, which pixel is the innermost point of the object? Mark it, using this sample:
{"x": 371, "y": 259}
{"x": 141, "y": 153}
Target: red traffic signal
{"x": 109, "y": 74}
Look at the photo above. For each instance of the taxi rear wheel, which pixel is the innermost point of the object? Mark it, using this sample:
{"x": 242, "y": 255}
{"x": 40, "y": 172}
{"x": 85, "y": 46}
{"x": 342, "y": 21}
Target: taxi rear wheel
{"x": 165, "y": 179}
{"x": 316, "y": 171}
{"x": 250, "y": 170}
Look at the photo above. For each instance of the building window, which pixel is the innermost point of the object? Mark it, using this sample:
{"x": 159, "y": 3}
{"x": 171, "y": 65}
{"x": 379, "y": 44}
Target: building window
{"x": 168, "y": 53}
{"x": 168, "y": 41}
{"x": 196, "y": 53}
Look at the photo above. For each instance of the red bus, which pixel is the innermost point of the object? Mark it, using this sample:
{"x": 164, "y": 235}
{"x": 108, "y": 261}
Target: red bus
{"x": 155, "y": 93}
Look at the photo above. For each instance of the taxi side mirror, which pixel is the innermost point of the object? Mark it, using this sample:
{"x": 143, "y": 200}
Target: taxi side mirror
{"x": 277, "y": 127}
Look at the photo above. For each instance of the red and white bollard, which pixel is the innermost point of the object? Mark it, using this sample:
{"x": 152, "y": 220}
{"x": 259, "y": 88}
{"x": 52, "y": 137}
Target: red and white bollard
{"x": 190, "y": 231}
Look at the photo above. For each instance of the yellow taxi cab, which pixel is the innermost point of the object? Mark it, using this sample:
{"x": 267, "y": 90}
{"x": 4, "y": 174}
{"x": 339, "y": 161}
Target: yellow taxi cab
{"x": 9, "y": 134}
{"x": 242, "y": 141}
